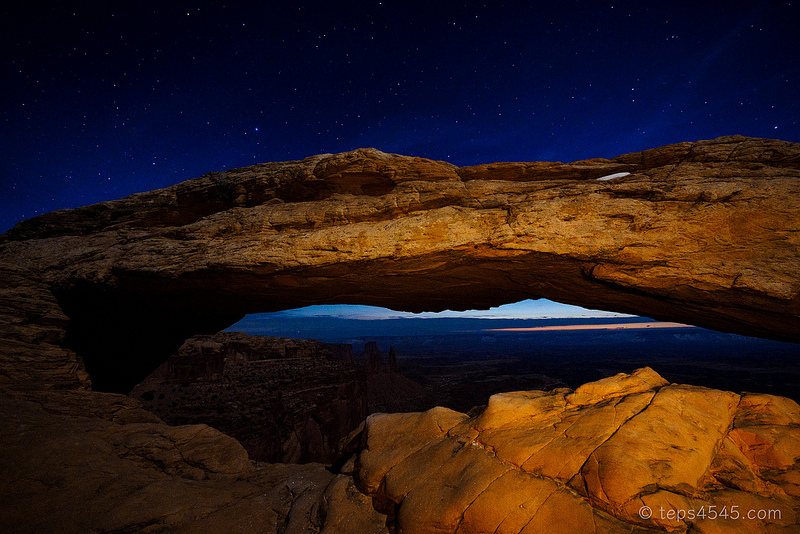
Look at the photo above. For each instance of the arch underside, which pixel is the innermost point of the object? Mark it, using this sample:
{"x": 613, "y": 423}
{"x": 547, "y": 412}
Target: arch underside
{"x": 704, "y": 233}
{"x": 142, "y": 320}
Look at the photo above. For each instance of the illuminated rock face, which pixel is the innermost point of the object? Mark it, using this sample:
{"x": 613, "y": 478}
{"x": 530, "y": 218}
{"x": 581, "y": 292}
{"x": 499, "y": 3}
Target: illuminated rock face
{"x": 627, "y": 451}
{"x": 705, "y": 233}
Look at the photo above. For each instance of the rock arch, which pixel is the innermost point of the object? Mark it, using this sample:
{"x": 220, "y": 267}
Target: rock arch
{"x": 705, "y": 233}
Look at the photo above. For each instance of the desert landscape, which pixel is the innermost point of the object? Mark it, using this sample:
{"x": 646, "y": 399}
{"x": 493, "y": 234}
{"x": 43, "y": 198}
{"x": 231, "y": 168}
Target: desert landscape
{"x": 105, "y": 308}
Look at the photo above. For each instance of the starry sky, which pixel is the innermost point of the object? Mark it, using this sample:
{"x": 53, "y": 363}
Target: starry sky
{"x": 104, "y": 99}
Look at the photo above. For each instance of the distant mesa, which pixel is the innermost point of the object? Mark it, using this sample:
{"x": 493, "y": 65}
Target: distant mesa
{"x": 610, "y": 326}
{"x": 95, "y": 299}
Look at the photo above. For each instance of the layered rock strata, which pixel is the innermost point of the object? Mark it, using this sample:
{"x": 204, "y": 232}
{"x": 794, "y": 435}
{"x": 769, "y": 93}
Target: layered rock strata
{"x": 285, "y": 400}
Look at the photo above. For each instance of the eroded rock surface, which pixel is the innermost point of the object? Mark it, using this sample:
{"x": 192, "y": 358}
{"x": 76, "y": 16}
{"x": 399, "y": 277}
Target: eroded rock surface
{"x": 77, "y": 462}
{"x": 630, "y": 453}
{"x": 583, "y": 461}
{"x": 284, "y": 400}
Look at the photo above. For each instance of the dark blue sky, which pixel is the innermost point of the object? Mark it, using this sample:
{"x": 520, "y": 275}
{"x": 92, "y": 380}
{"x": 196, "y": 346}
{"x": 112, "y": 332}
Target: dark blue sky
{"x": 100, "y": 100}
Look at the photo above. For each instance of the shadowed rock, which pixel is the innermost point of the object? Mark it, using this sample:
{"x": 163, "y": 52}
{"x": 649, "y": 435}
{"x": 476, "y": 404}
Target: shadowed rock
{"x": 285, "y": 400}
{"x": 77, "y": 462}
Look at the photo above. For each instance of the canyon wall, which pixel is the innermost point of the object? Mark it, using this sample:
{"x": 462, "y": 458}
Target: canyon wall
{"x": 285, "y": 400}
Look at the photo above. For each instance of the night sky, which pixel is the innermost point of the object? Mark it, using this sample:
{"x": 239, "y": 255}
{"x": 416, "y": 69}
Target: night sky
{"x": 104, "y": 99}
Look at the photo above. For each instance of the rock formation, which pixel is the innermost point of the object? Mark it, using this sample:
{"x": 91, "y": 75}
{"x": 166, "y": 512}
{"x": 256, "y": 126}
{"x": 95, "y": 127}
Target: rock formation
{"x": 285, "y": 400}
{"x": 629, "y": 453}
{"x": 704, "y": 232}
{"x": 79, "y": 461}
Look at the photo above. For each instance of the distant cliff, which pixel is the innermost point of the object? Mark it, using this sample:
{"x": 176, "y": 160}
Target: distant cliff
{"x": 284, "y": 400}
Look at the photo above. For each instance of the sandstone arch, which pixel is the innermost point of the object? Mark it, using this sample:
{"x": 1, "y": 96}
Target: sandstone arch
{"x": 704, "y": 233}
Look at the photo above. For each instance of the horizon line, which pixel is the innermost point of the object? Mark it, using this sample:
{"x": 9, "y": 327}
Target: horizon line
{"x": 610, "y": 326}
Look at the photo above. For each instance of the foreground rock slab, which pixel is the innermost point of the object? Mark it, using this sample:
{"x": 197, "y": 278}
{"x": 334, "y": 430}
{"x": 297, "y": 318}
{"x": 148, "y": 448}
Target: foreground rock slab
{"x": 77, "y": 462}
{"x": 630, "y": 453}
{"x": 627, "y": 454}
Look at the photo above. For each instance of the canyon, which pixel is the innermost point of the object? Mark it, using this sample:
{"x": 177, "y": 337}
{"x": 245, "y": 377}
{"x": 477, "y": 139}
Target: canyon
{"x": 93, "y": 300}
{"x": 285, "y": 400}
